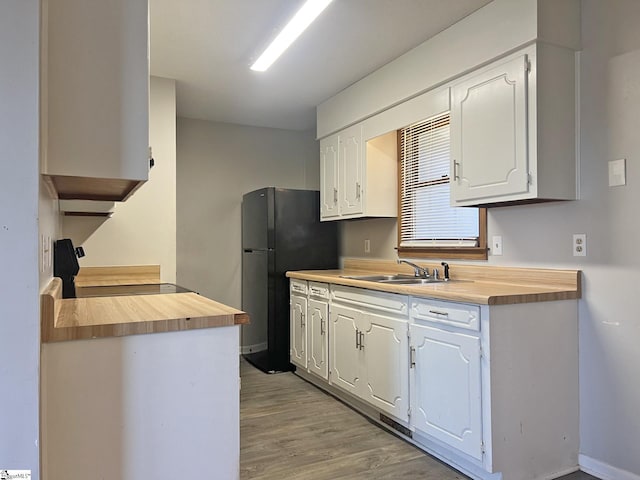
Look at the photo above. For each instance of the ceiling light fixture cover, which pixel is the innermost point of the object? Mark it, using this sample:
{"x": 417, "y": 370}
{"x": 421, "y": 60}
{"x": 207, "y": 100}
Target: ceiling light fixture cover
{"x": 301, "y": 20}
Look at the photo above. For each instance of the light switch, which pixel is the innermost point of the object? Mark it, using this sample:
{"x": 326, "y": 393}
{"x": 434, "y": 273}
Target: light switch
{"x": 617, "y": 172}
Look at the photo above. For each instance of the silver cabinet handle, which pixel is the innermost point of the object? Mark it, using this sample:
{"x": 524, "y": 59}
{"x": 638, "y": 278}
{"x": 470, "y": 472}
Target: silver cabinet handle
{"x": 358, "y": 190}
{"x": 455, "y": 170}
{"x": 357, "y": 339}
{"x": 335, "y": 195}
{"x": 412, "y": 357}
{"x": 436, "y": 312}
{"x": 361, "y": 340}
{"x": 302, "y": 333}
{"x": 322, "y": 331}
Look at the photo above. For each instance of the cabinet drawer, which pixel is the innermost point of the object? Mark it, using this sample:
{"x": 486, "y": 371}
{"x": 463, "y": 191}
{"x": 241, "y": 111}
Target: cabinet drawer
{"x": 298, "y": 286}
{"x": 319, "y": 290}
{"x": 386, "y": 302}
{"x": 454, "y": 314}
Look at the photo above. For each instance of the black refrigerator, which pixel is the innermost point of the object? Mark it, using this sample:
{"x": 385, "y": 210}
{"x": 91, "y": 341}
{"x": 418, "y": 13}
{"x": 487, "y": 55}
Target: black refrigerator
{"x": 281, "y": 231}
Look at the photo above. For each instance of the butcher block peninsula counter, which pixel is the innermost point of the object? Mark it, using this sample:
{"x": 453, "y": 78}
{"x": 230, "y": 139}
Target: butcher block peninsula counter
{"x": 138, "y": 386}
{"x": 95, "y": 317}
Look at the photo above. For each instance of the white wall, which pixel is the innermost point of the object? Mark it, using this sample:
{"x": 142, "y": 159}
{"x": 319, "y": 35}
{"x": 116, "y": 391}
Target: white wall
{"x": 19, "y": 191}
{"x": 541, "y": 235}
{"x": 609, "y": 323}
{"x": 142, "y": 230}
{"x": 160, "y": 406}
{"x": 217, "y": 164}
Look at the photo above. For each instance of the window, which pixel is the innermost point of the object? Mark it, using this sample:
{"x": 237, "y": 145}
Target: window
{"x": 429, "y": 226}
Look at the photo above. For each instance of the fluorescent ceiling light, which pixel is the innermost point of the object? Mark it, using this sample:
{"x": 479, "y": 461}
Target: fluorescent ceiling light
{"x": 301, "y": 20}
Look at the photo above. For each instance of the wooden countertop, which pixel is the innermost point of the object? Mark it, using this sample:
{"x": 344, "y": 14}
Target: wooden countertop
{"x": 82, "y": 318}
{"x": 483, "y": 285}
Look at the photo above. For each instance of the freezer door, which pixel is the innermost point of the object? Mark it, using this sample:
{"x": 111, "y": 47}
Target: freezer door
{"x": 302, "y": 241}
{"x": 255, "y": 300}
{"x": 257, "y": 219}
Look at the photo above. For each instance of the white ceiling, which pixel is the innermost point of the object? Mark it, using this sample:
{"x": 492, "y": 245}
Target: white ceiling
{"x": 208, "y": 45}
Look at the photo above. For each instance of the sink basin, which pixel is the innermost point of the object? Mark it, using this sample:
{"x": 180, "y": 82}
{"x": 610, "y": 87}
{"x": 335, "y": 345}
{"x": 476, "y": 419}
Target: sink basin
{"x": 413, "y": 281}
{"x": 398, "y": 279}
{"x": 380, "y": 278}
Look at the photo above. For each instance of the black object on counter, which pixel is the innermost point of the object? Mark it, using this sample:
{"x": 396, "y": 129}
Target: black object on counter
{"x": 281, "y": 231}
{"x": 65, "y": 265}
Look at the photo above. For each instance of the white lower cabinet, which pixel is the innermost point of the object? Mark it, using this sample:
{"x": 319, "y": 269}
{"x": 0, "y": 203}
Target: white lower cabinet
{"x": 317, "y": 337}
{"x": 346, "y": 355}
{"x": 446, "y": 387}
{"x": 298, "y": 331}
{"x": 471, "y": 383}
{"x": 369, "y": 348}
{"x": 309, "y": 323}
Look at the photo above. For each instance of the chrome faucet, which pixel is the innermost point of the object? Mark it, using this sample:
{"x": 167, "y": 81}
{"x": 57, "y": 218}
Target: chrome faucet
{"x": 418, "y": 271}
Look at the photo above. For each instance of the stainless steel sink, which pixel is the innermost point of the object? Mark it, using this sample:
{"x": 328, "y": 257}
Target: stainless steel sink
{"x": 398, "y": 279}
{"x": 380, "y": 278}
{"x": 413, "y": 281}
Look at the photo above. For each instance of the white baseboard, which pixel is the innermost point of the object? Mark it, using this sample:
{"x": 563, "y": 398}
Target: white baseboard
{"x": 258, "y": 347}
{"x": 603, "y": 470}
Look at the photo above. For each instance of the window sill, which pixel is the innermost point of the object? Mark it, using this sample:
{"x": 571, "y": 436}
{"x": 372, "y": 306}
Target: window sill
{"x": 466, "y": 253}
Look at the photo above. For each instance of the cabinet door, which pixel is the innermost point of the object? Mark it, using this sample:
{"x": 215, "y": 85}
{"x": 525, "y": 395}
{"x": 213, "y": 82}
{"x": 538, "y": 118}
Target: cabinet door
{"x": 446, "y": 387}
{"x": 298, "y": 350}
{"x": 329, "y": 167}
{"x": 386, "y": 348}
{"x": 98, "y": 89}
{"x": 351, "y": 158}
{"x": 346, "y": 356}
{"x": 317, "y": 338}
{"x": 489, "y": 131}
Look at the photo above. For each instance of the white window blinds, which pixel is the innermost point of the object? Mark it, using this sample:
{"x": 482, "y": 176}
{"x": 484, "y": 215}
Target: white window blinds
{"x": 427, "y": 219}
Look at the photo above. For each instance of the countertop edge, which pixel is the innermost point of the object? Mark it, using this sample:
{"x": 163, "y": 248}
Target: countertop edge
{"x": 52, "y": 305}
{"x": 486, "y": 293}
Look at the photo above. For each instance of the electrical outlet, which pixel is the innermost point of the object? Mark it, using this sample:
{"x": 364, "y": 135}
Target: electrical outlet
{"x": 496, "y": 245}
{"x": 43, "y": 253}
{"x": 579, "y": 245}
{"x": 48, "y": 253}
{"x": 367, "y": 246}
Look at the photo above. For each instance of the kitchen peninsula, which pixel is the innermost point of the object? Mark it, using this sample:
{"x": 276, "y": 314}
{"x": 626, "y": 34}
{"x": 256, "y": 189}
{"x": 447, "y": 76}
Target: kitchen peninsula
{"x": 138, "y": 386}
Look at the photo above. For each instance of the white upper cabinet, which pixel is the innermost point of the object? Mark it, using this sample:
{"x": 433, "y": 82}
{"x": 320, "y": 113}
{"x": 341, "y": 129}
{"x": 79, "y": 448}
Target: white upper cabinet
{"x": 95, "y": 97}
{"x": 329, "y": 177}
{"x": 358, "y": 177}
{"x": 492, "y": 146}
{"x": 350, "y": 159}
{"x": 513, "y": 130}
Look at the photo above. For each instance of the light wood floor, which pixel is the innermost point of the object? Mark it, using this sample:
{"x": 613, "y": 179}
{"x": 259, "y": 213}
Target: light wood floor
{"x": 290, "y": 430}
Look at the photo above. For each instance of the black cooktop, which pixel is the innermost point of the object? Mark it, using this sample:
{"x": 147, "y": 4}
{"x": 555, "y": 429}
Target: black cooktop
{"x": 116, "y": 290}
